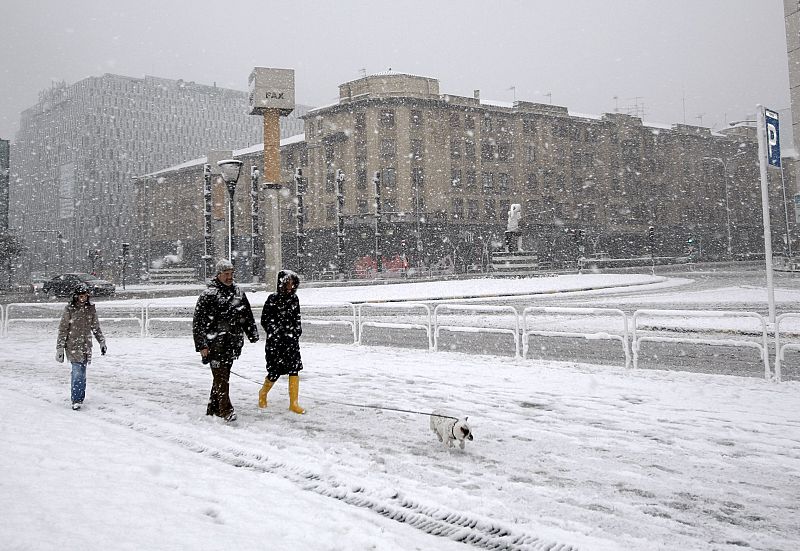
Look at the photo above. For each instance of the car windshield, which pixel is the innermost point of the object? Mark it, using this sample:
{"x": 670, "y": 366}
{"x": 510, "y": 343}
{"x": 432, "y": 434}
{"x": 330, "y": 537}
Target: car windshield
{"x": 86, "y": 277}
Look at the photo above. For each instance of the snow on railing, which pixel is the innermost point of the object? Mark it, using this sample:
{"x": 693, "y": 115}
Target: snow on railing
{"x": 605, "y": 315}
{"x": 426, "y": 326}
{"x": 485, "y": 328}
{"x": 676, "y": 320}
{"x": 2, "y": 320}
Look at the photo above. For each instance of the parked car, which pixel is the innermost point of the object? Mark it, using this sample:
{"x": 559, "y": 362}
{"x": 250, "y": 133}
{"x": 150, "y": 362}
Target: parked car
{"x": 63, "y": 285}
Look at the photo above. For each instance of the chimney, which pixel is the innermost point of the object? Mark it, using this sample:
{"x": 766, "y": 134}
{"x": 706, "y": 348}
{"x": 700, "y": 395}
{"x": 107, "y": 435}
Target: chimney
{"x": 476, "y": 94}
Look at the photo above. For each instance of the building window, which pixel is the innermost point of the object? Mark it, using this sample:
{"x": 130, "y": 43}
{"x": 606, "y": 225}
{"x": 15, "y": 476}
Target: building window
{"x": 416, "y": 150}
{"x": 530, "y": 153}
{"x": 488, "y": 151}
{"x": 330, "y": 177}
{"x": 388, "y": 148}
{"x": 472, "y": 209}
{"x": 363, "y": 206}
{"x": 504, "y": 151}
{"x": 489, "y": 209}
{"x": 458, "y": 208}
{"x": 528, "y": 126}
{"x": 330, "y": 212}
{"x": 505, "y": 206}
{"x": 469, "y": 122}
{"x": 417, "y": 177}
{"x": 486, "y": 124}
{"x": 416, "y": 118}
{"x": 361, "y": 178}
{"x": 503, "y": 182}
{"x": 471, "y": 180}
{"x": 455, "y": 119}
{"x": 389, "y": 178}
{"x": 455, "y": 178}
{"x": 469, "y": 149}
{"x": 488, "y": 182}
{"x": 361, "y": 121}
{"x": 455, "y": 148}
{"x": 387, "y": 118}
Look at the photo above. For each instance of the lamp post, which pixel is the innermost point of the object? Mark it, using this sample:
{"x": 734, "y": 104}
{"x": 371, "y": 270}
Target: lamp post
{"x": 230, "y": 169}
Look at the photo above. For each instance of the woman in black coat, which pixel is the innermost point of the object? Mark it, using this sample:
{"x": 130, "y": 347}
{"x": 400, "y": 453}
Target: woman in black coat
{"x": 280, "y": 319}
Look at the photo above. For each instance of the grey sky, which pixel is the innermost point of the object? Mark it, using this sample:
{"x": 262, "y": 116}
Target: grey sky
{"x": 719, "y": 58}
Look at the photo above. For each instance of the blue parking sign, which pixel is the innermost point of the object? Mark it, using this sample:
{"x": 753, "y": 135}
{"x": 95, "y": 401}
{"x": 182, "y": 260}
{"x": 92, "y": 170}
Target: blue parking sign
{"x": 773, "y": 138}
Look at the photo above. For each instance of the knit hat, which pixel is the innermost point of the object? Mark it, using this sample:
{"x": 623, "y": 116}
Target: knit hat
{"x": 224, "y": 265}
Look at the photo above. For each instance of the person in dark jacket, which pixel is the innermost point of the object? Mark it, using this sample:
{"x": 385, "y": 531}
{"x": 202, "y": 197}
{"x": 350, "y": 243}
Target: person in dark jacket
{"x": 78, "y": 323}
{"x": 221, "y": 316}
{"x": 280, "y": 318}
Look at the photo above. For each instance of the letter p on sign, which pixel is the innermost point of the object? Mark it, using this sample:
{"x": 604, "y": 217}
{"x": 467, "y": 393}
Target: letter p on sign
{"x": 773, "y": 138}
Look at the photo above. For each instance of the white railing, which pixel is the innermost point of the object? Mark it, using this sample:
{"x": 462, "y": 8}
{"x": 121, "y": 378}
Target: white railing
{"x": 426, "y": 326}
{"x": 2, "y": 320}
{"x": 780, "y": 349}
{"x": 608, "y": 315}
{"x": 175, "y": 313}
{"x": 667, "y": 317}
{"x": 350, "y": 320}
{"x": 484, "y": 328}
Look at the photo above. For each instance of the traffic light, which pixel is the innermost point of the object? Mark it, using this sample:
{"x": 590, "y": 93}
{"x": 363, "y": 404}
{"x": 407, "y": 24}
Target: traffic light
{"x": 126, "y": 249}
{"x": 301, "y": 183}
{"x": 651, "y": 234}
{"x": 690, "y": 240}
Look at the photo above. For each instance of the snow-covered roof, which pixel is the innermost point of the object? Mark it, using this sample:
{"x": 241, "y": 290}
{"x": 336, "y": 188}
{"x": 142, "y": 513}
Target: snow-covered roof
{"x": 297, "y": 138}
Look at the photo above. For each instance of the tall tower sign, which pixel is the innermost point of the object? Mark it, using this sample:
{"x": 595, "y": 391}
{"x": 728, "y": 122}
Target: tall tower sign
{"x": 272, "y": 96}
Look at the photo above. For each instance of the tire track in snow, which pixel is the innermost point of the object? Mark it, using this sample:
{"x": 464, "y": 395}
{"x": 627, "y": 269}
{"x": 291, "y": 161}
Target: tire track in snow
{"x": 436, "y": 521}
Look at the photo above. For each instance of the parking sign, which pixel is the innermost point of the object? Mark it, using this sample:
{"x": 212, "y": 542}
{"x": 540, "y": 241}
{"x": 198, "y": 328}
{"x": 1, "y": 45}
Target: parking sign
{"x": 773, "y": 138}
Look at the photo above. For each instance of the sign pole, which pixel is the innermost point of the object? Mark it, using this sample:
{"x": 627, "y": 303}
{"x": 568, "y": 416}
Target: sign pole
{"x": 762, "y": 131}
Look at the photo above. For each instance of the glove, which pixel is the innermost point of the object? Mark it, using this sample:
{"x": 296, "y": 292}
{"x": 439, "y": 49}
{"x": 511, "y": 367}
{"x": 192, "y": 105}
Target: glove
{"x": 60, "y": 355}
{"x": 103, "y": 349}
{"x": 253, "y": 339}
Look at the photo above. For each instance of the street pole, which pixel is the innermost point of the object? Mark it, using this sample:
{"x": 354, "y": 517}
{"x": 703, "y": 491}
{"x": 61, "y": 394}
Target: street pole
{"x": 208, "y": 239}
{"x": 762, "y": 161}
{"x": 255, "y": 229}
{"x": 376, "y": 180}
{"x": 300, "y": 185}
{"x": 340, "y": 222}
{"x": 231, "y": 190}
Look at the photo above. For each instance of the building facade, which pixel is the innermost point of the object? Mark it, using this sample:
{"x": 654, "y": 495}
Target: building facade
{"x": 449, "y": 168}
{"x": 79, "y": 147}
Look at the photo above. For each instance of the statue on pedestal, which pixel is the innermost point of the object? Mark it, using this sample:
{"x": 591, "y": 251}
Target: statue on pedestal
{"x": 169, "y": 259}
{"x": 513, "y": 237}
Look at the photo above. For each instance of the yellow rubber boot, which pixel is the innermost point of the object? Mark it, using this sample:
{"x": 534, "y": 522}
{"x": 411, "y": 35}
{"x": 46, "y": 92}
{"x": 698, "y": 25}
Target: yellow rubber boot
{"x": 294, "y": 390}
{"x": 262, "y": 394}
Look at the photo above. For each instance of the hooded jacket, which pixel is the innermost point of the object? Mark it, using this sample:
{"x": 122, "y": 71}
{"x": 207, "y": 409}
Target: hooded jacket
{"x": 280, "y": 319}
{"x": 78, "y": 323}
{"x": 221, "y": 315}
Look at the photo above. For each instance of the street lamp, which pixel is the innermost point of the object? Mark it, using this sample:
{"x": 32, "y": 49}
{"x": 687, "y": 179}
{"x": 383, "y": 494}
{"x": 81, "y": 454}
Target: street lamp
{"x": 230, "y": 169}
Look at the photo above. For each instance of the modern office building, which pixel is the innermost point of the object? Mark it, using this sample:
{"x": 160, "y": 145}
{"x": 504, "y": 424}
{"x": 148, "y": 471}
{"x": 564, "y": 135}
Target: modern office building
{"x": 79, "y": 147}
{"x": 450, "y": 167}
{"x": 5, "y": 152}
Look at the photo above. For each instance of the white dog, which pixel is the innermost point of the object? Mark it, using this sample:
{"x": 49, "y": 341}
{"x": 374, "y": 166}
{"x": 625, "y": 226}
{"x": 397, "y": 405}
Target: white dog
{"x": 449, "y": 428}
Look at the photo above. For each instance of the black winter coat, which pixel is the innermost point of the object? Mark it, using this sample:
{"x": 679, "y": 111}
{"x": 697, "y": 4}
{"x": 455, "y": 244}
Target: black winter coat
{"x": 221, "y": 316}
{"x": 280, "y": 319}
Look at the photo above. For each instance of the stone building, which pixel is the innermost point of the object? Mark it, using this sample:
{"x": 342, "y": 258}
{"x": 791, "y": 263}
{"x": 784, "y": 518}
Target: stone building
{"x": 449, "y": 167}
{"x": 79, "y": 147}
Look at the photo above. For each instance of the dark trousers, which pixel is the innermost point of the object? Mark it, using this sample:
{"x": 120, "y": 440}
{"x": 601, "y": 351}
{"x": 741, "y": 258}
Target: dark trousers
{"x": 219, "y": 403}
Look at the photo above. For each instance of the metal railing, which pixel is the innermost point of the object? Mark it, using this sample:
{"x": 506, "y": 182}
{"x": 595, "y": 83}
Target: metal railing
{"x": 622, "y": 336}
{"x": 426, "y": 326}
{"x": 641, "y": 334}
{"x": 513, "y": 331}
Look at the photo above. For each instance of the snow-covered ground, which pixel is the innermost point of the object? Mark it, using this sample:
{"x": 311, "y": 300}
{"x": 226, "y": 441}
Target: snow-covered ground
{"x": 565, "y": 456}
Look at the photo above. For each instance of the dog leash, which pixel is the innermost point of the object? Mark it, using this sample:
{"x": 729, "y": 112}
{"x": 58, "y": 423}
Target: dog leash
{"x": 360, "y": 405}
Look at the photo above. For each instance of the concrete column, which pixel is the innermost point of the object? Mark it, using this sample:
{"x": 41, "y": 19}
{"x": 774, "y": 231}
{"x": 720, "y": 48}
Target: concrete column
{"x": 272, "y": 211}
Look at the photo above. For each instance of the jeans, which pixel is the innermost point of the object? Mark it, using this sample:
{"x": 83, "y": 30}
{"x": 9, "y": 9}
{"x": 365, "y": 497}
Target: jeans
{"x": 78, "y": 382}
